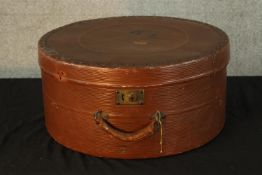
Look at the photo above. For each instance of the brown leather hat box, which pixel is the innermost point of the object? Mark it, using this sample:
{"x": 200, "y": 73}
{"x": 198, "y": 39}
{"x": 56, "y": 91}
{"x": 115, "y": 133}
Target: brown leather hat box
{"x": 134, "y": 87}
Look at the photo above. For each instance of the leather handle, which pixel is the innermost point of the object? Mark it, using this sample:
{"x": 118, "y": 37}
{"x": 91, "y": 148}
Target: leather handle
{"x": 101, "y": 119}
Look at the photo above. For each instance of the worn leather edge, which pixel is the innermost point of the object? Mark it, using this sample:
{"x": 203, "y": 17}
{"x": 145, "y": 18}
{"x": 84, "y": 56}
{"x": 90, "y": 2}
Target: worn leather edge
{"x": 55, "y": 55}
{"x": 156, "y": 76}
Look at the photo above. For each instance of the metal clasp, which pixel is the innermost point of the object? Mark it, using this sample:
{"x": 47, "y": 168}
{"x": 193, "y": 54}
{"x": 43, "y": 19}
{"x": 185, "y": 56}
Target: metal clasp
{"x": 130, "y": 97}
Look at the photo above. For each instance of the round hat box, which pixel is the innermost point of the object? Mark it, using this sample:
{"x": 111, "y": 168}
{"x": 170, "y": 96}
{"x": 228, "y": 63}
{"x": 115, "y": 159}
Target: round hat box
{"x": 134, "y": 87}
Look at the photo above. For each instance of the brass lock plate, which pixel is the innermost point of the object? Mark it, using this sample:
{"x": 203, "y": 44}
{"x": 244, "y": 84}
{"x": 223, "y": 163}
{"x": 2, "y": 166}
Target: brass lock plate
{"x": 130, "y": 97}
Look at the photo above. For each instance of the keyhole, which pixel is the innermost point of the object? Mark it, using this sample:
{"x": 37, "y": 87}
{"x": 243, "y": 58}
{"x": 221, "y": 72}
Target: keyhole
{"x": 132, "y": 97}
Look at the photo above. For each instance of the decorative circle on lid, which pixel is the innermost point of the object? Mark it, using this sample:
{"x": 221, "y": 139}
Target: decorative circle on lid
{"x": 132, "y": 39}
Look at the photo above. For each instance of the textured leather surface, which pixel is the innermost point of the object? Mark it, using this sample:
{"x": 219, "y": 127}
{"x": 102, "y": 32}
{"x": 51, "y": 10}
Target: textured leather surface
{"x": 27, "y": 148}
{"x": 190, "y": 93}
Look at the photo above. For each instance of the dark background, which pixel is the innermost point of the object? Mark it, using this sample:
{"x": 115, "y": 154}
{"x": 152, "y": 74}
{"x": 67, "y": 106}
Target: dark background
{"x": 26, "y": 147}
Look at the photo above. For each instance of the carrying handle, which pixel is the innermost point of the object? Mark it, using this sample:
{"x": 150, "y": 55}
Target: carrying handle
{"x": 155, "y": 124}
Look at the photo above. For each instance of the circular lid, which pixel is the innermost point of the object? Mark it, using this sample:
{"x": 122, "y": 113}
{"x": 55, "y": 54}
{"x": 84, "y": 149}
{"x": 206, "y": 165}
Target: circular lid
{"x": 132, "y": 41}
